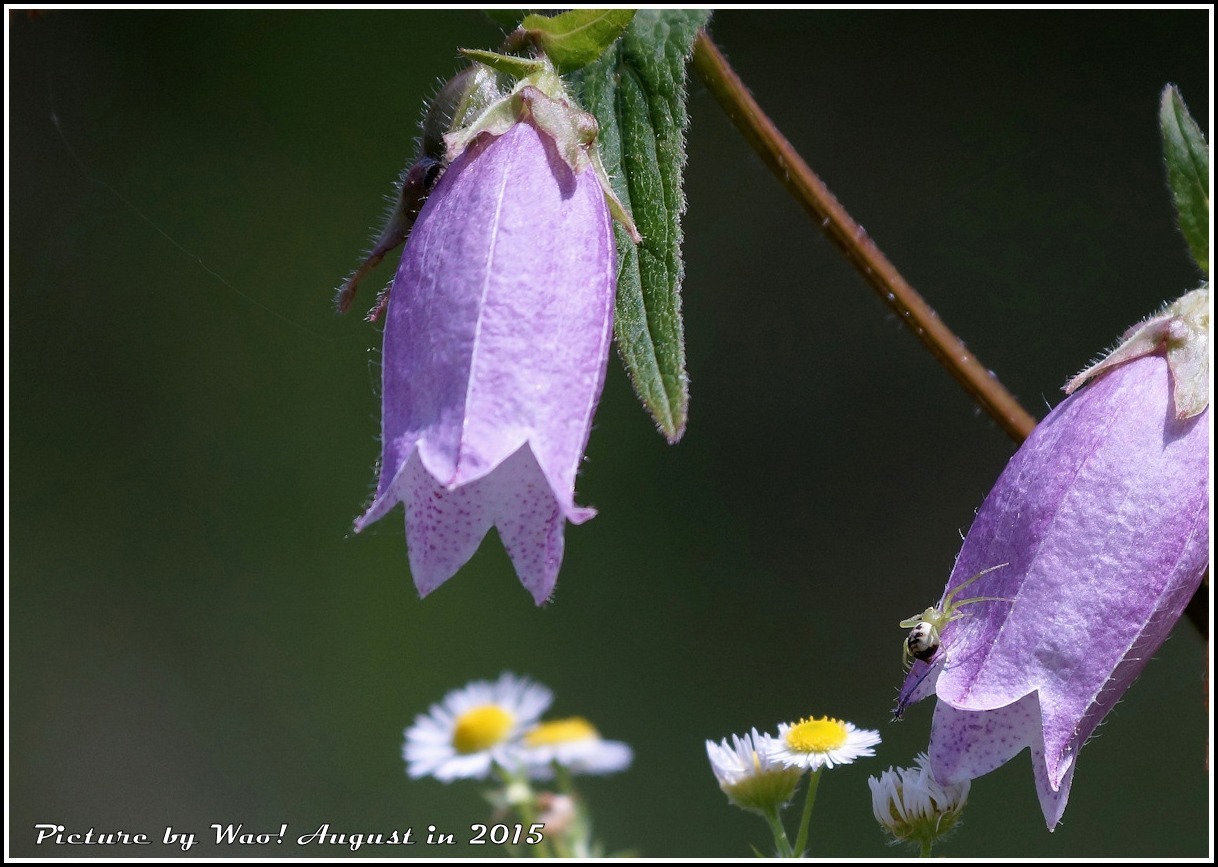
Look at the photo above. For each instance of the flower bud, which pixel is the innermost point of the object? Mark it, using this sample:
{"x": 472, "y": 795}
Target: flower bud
{"x": 913, "y": 807}
{"x": 750, "y": 779}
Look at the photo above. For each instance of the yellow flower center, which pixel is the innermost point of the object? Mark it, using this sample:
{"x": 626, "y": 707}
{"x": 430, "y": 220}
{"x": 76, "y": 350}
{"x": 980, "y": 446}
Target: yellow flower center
{"x": 481, "y": 728}
{"x": 817, "y": 735}
{"x": 561, "y": 731}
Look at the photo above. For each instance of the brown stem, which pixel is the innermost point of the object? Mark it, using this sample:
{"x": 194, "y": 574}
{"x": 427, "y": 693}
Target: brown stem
{"x": 812, "y": 193}
{"x": 1198, "y": 609}
{"x": 917, "y": 315}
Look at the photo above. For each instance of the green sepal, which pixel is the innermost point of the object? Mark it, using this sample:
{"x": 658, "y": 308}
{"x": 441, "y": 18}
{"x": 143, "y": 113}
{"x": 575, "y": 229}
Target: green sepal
{"x": 637, "y": 92}
{"x": 1188, "y": 173}
{"x": 507, "y": 64}
{"x": 576, "y": 38}
{"x": 462, "y": 98}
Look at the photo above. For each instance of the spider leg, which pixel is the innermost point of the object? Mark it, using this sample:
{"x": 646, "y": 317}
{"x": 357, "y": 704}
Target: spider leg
{"x": 947, "y": 600}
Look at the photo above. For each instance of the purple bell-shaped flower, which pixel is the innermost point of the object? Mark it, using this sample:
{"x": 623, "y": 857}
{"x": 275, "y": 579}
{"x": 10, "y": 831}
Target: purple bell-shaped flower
{"x": 496, "y": 342}
{"x": 1092, "y": 542}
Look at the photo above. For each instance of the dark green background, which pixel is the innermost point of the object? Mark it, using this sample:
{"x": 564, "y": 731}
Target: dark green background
{"x": 196, "y": 637}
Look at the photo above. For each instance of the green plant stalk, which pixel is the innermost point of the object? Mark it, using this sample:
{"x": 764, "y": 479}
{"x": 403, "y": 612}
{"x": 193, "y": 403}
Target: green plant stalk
{"x": 527, "y": 811}
{"x": 782, "y": 845}
{"x": 805, "y": 821}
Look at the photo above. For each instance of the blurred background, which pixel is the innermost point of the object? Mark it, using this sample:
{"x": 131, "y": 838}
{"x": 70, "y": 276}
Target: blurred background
{"x": 195, "y": 635}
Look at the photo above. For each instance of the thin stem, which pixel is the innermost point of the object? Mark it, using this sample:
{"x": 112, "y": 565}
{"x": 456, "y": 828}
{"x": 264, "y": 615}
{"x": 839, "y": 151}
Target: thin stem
{"x": 805, "y": 821}
{"x": 782, "y": 845}
{"x": 526, "y": 809}
{"x": 561, "y": 843}
{"x": 528, "y": 815}
{"x": 563, "y": 777}
{"x": 925, "y": 848}
{"x": 1198, "y": 610}
{"x": 816, "y": 198}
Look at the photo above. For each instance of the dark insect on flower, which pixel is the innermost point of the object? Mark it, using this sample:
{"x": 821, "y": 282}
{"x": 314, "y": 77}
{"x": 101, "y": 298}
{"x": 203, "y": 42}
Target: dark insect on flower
{"x": 416, "y": 184}
{"x": 461, "y": 98}
{"x": 925, "y": 630}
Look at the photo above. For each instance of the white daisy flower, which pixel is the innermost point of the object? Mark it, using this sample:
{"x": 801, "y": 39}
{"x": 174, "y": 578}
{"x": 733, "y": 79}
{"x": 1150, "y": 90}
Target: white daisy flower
{"x": 815, "y": 743}
{"x": 913, "y": 807}
{"x": 575, "y": 745}
{"x": 749, "y": 778}
{"x": 474, "y": 728}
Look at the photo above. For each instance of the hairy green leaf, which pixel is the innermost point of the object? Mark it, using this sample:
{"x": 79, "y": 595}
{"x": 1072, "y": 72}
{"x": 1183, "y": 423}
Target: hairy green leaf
{"x": 637, "y": 92}
{"x": 1188, "y": 173}
{"x": 576, "y": 38}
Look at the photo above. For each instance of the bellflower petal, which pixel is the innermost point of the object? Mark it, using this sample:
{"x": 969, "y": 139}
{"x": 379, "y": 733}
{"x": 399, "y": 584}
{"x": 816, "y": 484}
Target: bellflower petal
{"x": 496, "y": 342}
{"x": 1102, "y": 520}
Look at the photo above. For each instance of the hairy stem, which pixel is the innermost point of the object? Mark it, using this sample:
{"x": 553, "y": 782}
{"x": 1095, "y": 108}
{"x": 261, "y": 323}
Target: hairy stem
{"x": 816, "y": 198}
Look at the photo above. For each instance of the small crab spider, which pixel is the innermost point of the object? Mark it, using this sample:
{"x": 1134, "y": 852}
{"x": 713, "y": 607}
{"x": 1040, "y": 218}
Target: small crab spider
{"x": 923, "y": 640}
